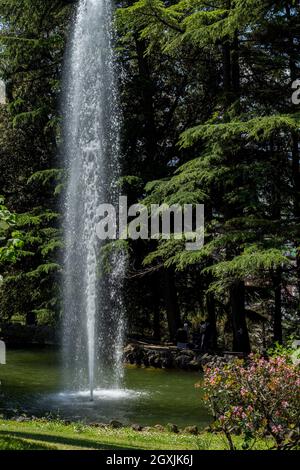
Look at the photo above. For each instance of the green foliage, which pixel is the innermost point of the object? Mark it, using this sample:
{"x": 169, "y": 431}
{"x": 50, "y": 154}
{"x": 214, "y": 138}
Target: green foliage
{"x": 259, "y": 129}
{"x": 242, "y": 161}
{"x": 46, "y": 177}
{"x": 289, "y": 351}
{"x": 32, "y": 46}
{"x": 251, "y": 262}
{"x": 11, "y": 243}
{"x": 207, "y": 119}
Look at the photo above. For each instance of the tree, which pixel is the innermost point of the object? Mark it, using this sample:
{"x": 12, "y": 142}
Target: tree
{"x": 32, "y": 36}
{"x": 243, "y": 171}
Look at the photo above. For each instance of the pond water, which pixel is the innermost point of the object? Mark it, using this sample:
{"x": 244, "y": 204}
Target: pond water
{"x": 31, "y": 383}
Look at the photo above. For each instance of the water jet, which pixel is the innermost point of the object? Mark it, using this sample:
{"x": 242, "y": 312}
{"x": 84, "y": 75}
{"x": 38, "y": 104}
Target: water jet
{"x": 93, "y": 325}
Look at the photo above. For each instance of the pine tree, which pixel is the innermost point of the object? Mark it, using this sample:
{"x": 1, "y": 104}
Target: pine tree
{"x": 243, "y": 172}
{"x": 32, "y": 38}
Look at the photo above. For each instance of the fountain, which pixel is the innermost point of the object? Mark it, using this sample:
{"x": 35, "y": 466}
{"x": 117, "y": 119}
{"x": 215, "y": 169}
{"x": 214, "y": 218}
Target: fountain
{"x": 93, "y": 324}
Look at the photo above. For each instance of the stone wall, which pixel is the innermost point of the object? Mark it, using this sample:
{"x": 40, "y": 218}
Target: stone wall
{"x": 170, "y": 357}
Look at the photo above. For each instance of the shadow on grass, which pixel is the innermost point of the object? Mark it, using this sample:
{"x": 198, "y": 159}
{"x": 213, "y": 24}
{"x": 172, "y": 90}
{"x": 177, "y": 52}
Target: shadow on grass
{"x": 14, "y": 443}
{"x": 51, "y": 439}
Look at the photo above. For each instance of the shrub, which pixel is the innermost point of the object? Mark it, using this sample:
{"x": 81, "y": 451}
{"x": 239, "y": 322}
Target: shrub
{"x": 256, "y": 398}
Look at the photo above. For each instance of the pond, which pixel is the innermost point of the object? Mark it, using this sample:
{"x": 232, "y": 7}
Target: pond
{"x": 31, "y": 383}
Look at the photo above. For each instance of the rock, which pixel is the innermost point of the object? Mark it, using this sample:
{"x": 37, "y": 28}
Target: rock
{"x": 167, "y": 363}
{"x": 172, "y": 428}
{"x": 130, "y": 358}
{"x": 133, "y": 354}
{"x": 182, "y": 362}
{"x": 139, "y": 356}
{"x": 115, "y": 424}
{"x": 167, "y": 357}
{"x": 136, "y": 427}
{"x": 195, "y": 365}
{"x": 147, "y": 429}
{"x": 152, "y": 359}
{"x": 216, "y": 361}
{"x": 167, "y": 360}
{"x": 187, "y": 352}
{"x": 192, "y": 430}
{"x": 98, "y": 425}
{"x": 129, "y": 348}
{"x": 159, "y": 427}
{"x": 146, "y": 361}
{"x": 22, "y": 419}
{"x": 207, "y": 359}
{"x": 157, "y": 362}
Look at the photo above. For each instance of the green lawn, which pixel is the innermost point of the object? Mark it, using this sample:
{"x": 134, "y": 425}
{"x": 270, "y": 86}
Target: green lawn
{"x": 52, "y": 435}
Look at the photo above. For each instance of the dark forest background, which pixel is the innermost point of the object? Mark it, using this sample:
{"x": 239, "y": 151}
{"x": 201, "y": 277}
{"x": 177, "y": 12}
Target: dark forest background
{"x": 205, "y": 89}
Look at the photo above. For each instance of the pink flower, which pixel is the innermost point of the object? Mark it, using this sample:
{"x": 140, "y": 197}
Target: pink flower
{"x": 277, "y": 429}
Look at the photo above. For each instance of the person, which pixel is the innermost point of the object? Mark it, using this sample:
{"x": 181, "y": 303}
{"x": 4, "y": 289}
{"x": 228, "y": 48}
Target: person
{"x": 181, "y": 338}
{"x": 204, "y": 334}
{"x": 186, "y": 328}
{"x": 197, "y": 338}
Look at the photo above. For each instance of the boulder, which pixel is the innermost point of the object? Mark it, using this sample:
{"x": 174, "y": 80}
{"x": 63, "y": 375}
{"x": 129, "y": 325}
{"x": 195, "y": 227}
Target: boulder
{"x": 157, "y": 362}
{"x": 130, "y": 358}
{"x": 98, "y": 425}
{"x": 146, "y": 361}
{"x": 152, "y": 360}
{"x": 206, "y": 359}
{"x": 129, "y": 348}
{"x": 182, "y": 362}
{"x": 172, "y": 428}
{"x": 136, "y": 427}
{"x": 115, "y": 424}
{"x": 192, "y": 430}
{"x": 159, "y": 427}
{"x": 167, "y": 363}
{"x": 166, "y": 360}
{"x": 147, "y": 429}
{"x": 195, "y": 364}
{"x": 187, "y": 352}
{"x": 22, "y": 419}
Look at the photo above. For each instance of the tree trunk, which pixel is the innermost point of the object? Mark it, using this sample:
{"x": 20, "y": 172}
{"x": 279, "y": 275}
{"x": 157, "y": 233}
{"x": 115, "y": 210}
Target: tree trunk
{"x": 171, "y": 304}
{"x": 277, "y": 327}
{"x": 155, "y": 294}
{"x": 235, "y": 68}
{"x": 294, "y": 70}
{"x": 227, "y": 71}
{"x": 241, "y": 342}
{"x": 296, "y": 192}
{"x": 31, "y": 319}
{"x": 156, "y": 325}
{"x": 147, "y": 109}
{"x": 211, "y": 317}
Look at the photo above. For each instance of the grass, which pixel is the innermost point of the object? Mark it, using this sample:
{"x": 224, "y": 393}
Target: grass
{"x": 55, "y": 435}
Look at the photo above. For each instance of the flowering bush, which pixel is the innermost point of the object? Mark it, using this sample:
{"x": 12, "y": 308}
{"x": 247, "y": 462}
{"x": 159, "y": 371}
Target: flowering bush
{"x": 257, "y": 398}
